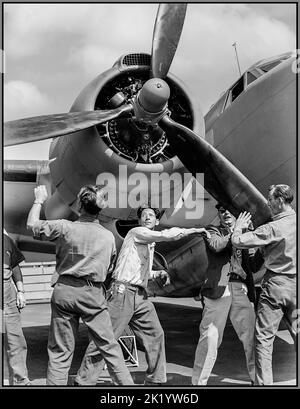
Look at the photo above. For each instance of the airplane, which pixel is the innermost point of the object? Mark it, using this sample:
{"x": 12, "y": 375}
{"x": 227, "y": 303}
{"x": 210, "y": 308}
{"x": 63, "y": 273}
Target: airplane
{"x": 139, "y": 118}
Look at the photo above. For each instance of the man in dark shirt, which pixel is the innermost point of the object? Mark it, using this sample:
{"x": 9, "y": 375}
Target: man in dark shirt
{"x": 14, "y": 341}
{"x": 277, "y": 241}
{"x": 84, "y": 252}
{"x": 228, "y": 291}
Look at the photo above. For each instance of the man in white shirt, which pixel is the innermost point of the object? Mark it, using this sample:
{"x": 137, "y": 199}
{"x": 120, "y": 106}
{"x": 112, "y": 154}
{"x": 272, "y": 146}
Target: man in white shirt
{"x": 127, "y": 297}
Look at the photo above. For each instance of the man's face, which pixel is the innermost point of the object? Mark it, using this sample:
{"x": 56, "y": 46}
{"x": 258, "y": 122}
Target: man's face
{"x": 226, "y": 218}
{"x": 148, "y": 219}
{"x": 275, "y": 204}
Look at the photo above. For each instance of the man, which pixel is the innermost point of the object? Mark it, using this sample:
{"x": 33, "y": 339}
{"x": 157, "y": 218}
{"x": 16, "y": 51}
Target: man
{"x": 277, "y": 241}
{"x": 224, "y": 293}
{"x": 14, "y": 341}
{"x": 84, "y": 250}
{"x": 127, "y": 297}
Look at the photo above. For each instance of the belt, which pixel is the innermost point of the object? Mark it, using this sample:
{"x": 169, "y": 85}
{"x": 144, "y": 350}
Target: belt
{"x": 129, "y": 286}
{"x": 77, "y": 281}
{"x": 235, "y": 277}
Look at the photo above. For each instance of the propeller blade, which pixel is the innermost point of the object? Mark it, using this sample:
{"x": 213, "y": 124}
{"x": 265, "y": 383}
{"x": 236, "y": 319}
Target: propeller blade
{"x": 221, "y": 178}
{"x": 50, "y": 126}
{"x": 167, "y": 30}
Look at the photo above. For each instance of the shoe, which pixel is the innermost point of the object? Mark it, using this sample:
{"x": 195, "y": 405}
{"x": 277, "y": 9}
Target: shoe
{"x": 75, "y": 383}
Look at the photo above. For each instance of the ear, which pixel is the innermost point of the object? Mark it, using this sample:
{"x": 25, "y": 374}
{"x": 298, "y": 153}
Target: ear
{"x": 157, "y": 223}
{"x": 101, "y": 200}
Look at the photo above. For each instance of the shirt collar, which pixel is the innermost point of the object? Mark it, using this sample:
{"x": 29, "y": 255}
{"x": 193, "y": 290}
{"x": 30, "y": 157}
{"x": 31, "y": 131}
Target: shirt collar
{"x": 226, "y": 227}
{"x": 283, "y": 214}
{"x": 86, "y": 218}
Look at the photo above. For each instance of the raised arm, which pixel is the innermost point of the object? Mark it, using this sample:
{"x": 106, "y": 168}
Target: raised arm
{"x": 175, "y": 233}
{"x": 40, "y": 194}
{"x": 48, "y": 230}
{"x": 260, "y": 237}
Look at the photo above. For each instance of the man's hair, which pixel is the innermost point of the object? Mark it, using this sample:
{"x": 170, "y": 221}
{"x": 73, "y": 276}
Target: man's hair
{"x": 219, "y": 205}
{"x": 147, "y": 206}
{"x": 283, "y": 191}
{"x": 88, "y": 196}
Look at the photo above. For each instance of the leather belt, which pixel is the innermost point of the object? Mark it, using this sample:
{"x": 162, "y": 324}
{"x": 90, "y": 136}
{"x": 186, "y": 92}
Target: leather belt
{"x": 123, "y": 284}
{"x": 68, "y": 279}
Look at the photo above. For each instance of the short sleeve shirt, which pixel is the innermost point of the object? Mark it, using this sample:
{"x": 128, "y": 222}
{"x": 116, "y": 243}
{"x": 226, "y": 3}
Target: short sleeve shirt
{"x": 277, "y": 240}
{"x": 83, "y": 248}
{"x": 12, "y": 256}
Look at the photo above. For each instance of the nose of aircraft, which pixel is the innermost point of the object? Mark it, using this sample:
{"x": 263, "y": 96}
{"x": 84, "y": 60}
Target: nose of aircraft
{"x": 154, "y": 95}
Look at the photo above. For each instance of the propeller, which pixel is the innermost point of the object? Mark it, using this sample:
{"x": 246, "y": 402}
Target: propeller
{"x": 50, "y": 126}
{"x": 167, "y": 30}
{"x": 222, "y": 179}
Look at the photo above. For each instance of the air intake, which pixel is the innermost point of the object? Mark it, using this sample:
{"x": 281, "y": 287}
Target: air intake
{"x": 136, "y": 60}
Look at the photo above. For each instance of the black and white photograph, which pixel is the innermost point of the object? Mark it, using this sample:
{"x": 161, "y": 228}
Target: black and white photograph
{"x": 149, "y": 198}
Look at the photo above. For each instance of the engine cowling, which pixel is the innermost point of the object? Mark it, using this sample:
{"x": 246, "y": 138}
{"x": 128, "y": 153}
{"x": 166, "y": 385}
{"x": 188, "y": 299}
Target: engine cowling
{"x": 124, "y": 149}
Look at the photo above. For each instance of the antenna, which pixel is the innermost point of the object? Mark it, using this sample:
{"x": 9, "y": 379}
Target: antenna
{"x": 237, "y": 58}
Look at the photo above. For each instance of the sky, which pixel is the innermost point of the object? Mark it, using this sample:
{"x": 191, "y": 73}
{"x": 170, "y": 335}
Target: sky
{"x": 52, "y": 51}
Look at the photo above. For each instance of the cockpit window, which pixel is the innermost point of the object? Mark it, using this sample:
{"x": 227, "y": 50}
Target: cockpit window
{"x": 250, "y": 77}
{"x": 237, "y": 89}
{"x": 234, "y": 92}
{"x": 269, "y": 66}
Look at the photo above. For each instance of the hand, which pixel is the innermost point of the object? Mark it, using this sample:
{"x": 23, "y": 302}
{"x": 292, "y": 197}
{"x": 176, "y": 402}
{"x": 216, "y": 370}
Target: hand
{"x": 204, "y": 232}
{"x": 21, "y": 300}
{"x": 40, "y": 193}
{"x": 163, "y": 275}
{"x": 250, "y": 226}
{"x": 243, "y": 221}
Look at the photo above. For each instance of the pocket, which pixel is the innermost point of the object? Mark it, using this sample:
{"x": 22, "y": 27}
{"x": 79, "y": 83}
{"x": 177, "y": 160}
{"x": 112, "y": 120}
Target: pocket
{"x": 116, "y": 299}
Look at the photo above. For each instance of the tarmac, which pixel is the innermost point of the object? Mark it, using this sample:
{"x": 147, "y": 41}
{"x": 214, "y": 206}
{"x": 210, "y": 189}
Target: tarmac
{"x": 180, "y": 319}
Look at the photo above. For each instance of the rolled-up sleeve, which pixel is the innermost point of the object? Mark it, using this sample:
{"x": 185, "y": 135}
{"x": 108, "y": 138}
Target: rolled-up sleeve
{"x": 47, "y": 230}
{"x": 16, "y": 255}
{"x": 146, "y": 235}
{"x": 262, "y": 236}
